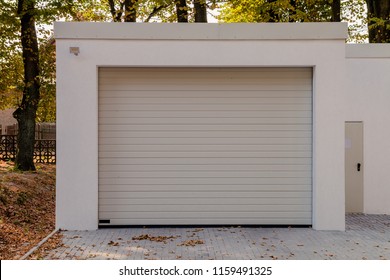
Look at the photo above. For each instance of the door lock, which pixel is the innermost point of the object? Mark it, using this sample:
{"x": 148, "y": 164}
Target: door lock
{"x": 358, "y": 166}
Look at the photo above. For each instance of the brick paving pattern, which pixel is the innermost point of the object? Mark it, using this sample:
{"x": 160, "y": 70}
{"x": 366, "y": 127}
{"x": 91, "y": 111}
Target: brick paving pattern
{"x": 366, "y": 237}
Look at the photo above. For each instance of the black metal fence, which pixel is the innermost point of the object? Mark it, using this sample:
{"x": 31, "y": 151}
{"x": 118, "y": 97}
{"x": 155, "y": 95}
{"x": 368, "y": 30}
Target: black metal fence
{"x": 7, "y": 147}
{"x": 44, "y": 151}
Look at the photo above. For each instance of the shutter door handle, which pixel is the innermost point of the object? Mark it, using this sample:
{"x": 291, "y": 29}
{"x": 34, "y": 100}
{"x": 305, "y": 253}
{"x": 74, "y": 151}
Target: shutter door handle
{"x": 358, "y": 166}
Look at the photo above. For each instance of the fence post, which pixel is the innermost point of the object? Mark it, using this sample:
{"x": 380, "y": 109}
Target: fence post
{"x": 14, "y": 147}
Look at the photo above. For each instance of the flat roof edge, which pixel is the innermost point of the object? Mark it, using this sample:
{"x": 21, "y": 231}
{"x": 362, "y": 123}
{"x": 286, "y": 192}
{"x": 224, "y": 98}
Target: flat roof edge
{"x": 200, "y": 31}
{"x": 367, "y": 51}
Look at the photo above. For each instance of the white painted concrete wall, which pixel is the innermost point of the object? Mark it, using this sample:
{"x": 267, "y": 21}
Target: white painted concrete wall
{"x": 320, "y": 46}
{"x": 368, "y": 100}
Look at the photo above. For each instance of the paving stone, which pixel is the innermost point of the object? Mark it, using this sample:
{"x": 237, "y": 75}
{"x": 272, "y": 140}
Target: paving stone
{"x": 366, "y": 237}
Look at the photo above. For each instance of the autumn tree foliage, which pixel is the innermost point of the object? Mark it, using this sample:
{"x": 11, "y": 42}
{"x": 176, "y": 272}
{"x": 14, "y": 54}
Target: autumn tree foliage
{"x": 27, "y": 64}
{"x": 378, "y": 21}
{"x": 123, "y": 10}
{"x": 27, "y": 52}
{"x": 182, "y": 11}
{"x": 25, "y": 114}
{"x": 276, "y": 11}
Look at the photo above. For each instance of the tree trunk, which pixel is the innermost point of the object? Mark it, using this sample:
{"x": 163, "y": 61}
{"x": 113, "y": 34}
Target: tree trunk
{"x": 130, "y": 10}
{"x": 116, "y": 15}
{"x": 200, "y": 10}
{"x": 336, "y": 11}
{"x": 26, "y": 113}
{"x": 378, "y": 9}
{"x": 181, "y": 11}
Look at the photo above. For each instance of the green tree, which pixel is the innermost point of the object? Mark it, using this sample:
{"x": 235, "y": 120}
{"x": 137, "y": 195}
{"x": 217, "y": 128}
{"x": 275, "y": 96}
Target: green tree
{"x": 336, "y": 10}
{"x": 11, "y": 64}
{"x": 27, "y": 64}
{"x": 25, "y": 114}
{"x": 47, "y": 103}
{"x": 200, "y": 10}
{"x": 355, "y": 13}
{"x": 351, "y": 11}
{"x": 160, "y": 10}
{"x": 276, "y": 11}
{"x": 378, "y": 17}
{"x": 125, "y": 10}
{"x": 181, "y": 10}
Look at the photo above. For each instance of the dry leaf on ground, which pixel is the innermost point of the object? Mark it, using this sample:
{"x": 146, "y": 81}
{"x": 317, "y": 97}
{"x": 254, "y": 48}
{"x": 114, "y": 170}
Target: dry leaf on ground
{"x": 27, "y": 208}
{"x": 191, "y": 242}
{"x": 112, "y": 243}
{"x": 159, "y": 238}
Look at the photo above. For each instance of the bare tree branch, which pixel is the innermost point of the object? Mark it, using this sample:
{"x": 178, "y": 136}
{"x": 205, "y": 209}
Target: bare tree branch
{"x": 155, "y": 11}
{"x": 116, "y": 14}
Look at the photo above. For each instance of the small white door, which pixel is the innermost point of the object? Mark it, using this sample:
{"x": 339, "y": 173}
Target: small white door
{"x": 354, "y": 167}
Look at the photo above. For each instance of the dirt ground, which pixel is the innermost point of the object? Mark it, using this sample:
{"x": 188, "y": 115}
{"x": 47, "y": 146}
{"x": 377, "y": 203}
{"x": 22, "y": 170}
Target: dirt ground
{"x": 27, "y": 210}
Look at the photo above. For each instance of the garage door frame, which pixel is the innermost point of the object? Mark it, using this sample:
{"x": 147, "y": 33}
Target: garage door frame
{"x": 110, "y": 214}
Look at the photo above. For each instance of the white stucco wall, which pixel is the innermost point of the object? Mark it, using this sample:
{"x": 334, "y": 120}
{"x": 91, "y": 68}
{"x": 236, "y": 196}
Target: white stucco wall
{"x": 320, "y": 46}
{"x": 367, "y": 100}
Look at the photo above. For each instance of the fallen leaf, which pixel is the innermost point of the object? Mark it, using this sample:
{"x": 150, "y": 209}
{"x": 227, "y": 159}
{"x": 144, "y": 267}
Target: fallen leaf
{"x": 191, "y": 242}
{"x": 27, "y": 210}
{"x": 159, "y": 238}
{"x": 112, "y": 243}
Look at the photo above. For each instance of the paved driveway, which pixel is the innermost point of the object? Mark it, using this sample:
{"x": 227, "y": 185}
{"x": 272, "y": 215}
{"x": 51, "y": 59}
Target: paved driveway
{"x": 366, "y": 237}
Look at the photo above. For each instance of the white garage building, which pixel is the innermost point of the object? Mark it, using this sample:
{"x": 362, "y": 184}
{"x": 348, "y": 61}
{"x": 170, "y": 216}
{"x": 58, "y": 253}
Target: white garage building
{"x": 214, "y": 124}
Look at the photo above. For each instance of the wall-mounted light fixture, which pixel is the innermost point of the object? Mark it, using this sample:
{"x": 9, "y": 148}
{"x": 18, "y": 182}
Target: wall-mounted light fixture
{"x": 74, "y": 50}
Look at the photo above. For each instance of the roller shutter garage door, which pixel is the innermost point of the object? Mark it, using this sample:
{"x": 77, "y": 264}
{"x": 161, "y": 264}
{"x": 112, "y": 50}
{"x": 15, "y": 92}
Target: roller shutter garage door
{"x": 185, "y": 146}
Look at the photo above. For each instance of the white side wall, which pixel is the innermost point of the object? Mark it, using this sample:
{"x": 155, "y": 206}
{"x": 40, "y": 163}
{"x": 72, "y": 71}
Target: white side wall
{"x": 368, "y": 100}
{"x": 77, "y": 111}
